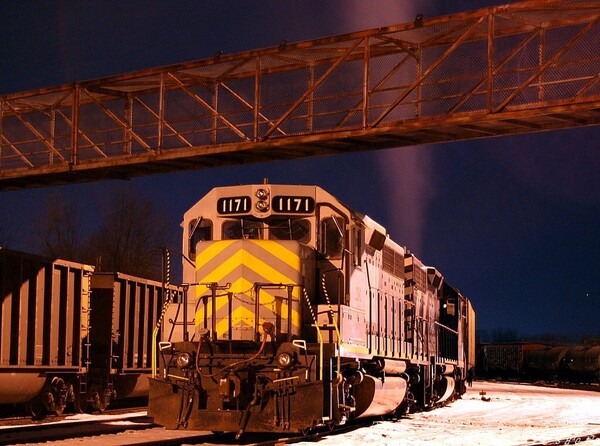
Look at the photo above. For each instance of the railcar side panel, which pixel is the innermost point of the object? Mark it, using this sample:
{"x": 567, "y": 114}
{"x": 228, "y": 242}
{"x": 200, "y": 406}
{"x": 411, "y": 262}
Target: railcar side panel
{"x": 44, "y": 314}
{"x": 125, "y": 310}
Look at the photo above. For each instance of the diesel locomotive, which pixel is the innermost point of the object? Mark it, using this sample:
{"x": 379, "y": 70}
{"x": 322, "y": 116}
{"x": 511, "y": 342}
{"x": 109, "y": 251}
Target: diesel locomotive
{"x": 300, "y": 313}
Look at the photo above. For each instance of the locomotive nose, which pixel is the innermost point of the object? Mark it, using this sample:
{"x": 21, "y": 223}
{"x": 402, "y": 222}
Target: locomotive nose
{"x": 259, "y": 285}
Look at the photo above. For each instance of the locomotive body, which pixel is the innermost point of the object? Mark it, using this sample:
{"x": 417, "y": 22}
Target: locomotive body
{"x": 73, "y": 335}
{"x": 306, "y": 314}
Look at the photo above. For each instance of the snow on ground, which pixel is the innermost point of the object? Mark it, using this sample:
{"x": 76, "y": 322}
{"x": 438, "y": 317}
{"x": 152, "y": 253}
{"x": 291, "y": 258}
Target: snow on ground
{"x": 88, "y": 417}
{"x": 516, "y": 414}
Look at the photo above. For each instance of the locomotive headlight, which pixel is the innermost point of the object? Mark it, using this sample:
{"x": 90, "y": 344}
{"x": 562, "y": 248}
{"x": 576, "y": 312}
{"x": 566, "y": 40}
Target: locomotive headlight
{"x": 262, "y": 206}
{"x": 284, "y": 360}
{"x": 262, "y": 194}
{"x": 183, "y": 360}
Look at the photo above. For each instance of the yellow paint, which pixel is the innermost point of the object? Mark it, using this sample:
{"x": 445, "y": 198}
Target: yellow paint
{"x": 211, "y": 252}
{"x": 281, "y": 252}
{"x": 242, "y": 289}
{"x": 243, "y": 258}
{"x": 239, "y": 316}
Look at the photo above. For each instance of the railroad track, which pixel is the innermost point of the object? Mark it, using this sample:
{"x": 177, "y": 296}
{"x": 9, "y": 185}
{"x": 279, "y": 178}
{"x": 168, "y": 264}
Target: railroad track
{"x": 137, "y": 429}
{"x": 24, "y": 430}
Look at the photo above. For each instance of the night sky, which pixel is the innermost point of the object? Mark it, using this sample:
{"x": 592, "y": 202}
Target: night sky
{"x": 514, "y": 222}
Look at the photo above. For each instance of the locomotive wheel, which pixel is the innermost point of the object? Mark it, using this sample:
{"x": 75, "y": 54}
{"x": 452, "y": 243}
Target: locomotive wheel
{"x": 58, "y": 410}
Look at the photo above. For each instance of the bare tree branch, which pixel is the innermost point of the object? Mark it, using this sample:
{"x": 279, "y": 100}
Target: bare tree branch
{"x": 131, "y": 231}
{"x": 60, "y": 231}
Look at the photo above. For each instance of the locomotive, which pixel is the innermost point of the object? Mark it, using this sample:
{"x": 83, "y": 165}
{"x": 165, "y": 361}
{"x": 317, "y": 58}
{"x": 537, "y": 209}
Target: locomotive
{"x": 72, "y": 335}
{"x": 304, "y": 314}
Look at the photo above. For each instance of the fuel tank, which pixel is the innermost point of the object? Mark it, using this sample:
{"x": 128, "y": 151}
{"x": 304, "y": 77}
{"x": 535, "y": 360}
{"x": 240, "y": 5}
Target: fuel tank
{"x": 375, "y": 396}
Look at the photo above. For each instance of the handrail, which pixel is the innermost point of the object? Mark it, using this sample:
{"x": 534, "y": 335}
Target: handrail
{"x": 166, "y": 273}
{"x": 166, "y": 305}
{"x": 319, "y": 334}
{"x": 335, "y": 324}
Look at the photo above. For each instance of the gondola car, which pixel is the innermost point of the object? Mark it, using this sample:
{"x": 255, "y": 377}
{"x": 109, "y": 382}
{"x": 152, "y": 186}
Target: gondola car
{"x": 305, "y": 314}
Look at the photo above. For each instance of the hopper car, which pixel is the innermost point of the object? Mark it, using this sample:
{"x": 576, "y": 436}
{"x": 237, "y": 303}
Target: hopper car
{"x": 71, "y": 335}
{"x": 303, "y": 314}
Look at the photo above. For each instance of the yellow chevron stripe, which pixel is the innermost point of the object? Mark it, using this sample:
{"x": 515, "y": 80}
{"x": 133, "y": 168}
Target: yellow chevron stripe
{"x": 238, "y": 287}
{"x": 281, "y": 252}
{"x": 267, "y": 271}
{"x": 241, "y": 285}
{"x": 240, "y": 316}
{"x": 266, "y": 299}
{"x": 274, "y": 248}
{"x": 225, "y": 268}
{"x": 211, "y": 252}
{"x": 243, "y": 257}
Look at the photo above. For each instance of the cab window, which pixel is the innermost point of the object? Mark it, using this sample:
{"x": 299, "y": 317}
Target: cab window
{"x": 242, "y": 229}
{"x": 199, "y": 230}
{"x": 332, "y": 237}
{"x": 290, "y": 229}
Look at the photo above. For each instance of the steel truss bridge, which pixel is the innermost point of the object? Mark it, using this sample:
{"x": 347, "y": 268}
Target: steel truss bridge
{"x": 524, "y": 67}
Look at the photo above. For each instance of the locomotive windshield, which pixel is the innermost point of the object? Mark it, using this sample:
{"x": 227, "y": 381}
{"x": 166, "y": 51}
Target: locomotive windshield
{"x": 279, "y": 228}
{"x": 273, "y": 229}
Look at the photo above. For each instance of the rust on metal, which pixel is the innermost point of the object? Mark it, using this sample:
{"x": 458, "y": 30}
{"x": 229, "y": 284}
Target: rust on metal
{"x": 518, "y": 68}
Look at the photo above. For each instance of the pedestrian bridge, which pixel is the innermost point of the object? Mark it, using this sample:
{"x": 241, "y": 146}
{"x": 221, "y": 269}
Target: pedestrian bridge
{"x": 524, "y": 67}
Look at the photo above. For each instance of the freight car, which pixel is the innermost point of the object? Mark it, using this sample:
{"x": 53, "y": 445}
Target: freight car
{"x": 72, "y": 335}
{"x": 536, "y": 361}
{"x": 504, "y": 360}
{"x": 582, "y": 364}
{"x": 306, "y": 315}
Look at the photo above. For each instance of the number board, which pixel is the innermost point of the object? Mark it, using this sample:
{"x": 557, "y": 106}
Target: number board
{"x": 234, "y": 205}
{"x": 293, "y": 205}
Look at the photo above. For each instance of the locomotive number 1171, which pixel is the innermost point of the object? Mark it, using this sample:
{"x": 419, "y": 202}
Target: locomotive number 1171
{"x": 300, "y": 205}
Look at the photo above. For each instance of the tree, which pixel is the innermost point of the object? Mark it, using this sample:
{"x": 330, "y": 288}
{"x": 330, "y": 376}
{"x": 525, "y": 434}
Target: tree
{"x": 60, "y": 232}
{"x": 132, "y": 230}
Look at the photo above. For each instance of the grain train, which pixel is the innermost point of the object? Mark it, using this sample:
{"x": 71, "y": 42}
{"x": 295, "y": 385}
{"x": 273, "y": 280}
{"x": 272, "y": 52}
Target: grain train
{"x": 301, "y": 313}
{"x": 73, "y": 335}
{"x": 529, "y": 361}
